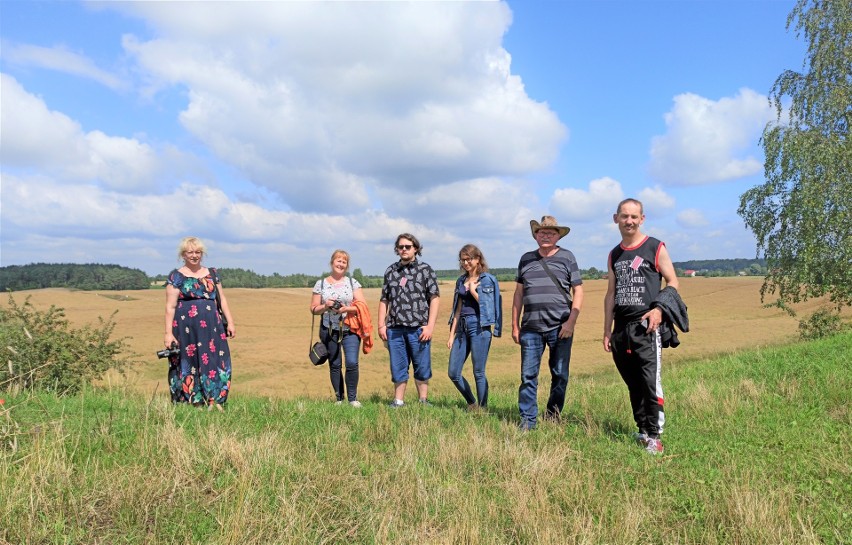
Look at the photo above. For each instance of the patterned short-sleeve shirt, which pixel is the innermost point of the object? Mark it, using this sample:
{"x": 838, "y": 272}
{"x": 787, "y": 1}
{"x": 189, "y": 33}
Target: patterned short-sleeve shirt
{"x": 408, "y": 289}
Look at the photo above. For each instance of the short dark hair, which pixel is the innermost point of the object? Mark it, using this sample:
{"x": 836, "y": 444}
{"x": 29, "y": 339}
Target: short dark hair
{"x": 634, "y": 201}
{"x": 412, "y": 238}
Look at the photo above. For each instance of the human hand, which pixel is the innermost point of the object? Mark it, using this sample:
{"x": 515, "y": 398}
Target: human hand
{"x": 606, "y": 345}
{"x": 426, "y": 333}
{"x": 654, "y": 318}
{"x": 567, "y": 330}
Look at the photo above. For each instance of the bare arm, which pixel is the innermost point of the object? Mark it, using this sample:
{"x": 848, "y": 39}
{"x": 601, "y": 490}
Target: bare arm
{"x": 316, "y": 304}
{"x": 171, "y": 303}
{"x": 226, "y": 310}
{"x": 664, "y": 261}
{"x": 666, "y": 268}
{"x": 426, "y": 334}
{"x": 609, "y": 306}
{"x": 455, "y": 324}
{"x": 517, "y": 305}
{"x": 382, "y": 320}
{"x": 567, "y": 329}
{"x": 357, "y": 295}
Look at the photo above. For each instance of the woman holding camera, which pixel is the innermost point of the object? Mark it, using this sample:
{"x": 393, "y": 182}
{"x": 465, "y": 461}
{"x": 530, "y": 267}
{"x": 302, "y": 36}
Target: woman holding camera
{"x": 198, "y": 324}
{"x": 334, "y": 296}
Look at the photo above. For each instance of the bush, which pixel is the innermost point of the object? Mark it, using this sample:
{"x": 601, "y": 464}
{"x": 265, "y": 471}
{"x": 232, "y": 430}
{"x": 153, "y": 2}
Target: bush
{"x": 822, "y": 323}
{"x": 43, "y": 352}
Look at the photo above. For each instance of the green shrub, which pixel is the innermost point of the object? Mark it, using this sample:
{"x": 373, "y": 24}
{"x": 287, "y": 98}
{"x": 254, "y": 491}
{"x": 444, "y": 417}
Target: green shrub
{"x": 41, "y": 350}
{"x": 822, "y": 323}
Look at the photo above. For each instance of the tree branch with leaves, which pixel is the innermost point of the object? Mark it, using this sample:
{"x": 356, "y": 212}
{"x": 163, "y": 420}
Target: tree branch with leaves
{"x": 801, "y": 214}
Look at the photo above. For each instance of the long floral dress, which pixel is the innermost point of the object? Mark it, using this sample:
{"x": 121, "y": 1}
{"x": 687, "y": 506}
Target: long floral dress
{"x": 201, "y": 374}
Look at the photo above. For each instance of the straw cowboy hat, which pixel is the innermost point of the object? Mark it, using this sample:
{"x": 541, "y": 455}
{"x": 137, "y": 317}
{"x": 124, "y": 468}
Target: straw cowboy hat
{"x": 548, "y": 222}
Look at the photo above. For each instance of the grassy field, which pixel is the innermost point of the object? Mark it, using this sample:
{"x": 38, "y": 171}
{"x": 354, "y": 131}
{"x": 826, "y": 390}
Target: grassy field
{"x": 757, "y": 452}
{"x": 274, "y": 329}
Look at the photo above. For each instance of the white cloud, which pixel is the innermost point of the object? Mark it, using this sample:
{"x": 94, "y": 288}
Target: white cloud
{"x": 35, "y": 137}
{"x": 692, "y": 218}
{"x": 300, "y": 96}
{"x": 366, "y": 120}
{"x": 60, "y": 59}
{"x": 655, "y": 199}
{"x": 598, "y": 201}
{"x": 710, "y": 141}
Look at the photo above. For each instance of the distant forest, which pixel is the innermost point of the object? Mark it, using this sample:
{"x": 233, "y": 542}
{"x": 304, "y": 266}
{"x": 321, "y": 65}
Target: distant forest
{"x": 90, "y": 276}
{"x": 115, "y": 277}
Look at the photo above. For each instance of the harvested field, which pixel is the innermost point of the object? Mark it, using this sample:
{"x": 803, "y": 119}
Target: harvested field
{"x": 274, "y": 327}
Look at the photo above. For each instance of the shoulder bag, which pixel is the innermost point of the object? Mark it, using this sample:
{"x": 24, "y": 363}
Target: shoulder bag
{"x": 318, "y": 352}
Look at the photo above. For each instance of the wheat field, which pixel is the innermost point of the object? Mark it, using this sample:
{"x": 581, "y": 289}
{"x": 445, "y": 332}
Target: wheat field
{"x": 274, "y": 332}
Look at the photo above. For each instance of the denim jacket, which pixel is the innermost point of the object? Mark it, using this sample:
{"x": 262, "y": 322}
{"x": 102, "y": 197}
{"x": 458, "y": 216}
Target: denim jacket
{"x": 490, "y": 302}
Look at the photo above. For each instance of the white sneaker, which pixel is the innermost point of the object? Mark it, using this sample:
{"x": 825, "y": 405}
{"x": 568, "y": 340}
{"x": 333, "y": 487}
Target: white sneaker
{"x": 654, "y": 446}
{"x": 640, "y": 437}
{"x": 356, "y": 404}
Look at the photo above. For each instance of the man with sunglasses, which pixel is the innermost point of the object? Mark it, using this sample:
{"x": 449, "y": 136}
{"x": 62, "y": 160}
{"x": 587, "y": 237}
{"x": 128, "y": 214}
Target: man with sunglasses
{"x": 408, "y": 310}
{"x": 549, "y": 289}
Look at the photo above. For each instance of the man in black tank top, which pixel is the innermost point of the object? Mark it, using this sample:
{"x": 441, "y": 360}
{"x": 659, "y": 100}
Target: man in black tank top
{"x": 635, "y": 270}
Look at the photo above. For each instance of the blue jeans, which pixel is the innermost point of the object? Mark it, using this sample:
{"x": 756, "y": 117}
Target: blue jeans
{"x": 471, "y": 340}
{"x": 350, "y": 344}
{"x": 532, "y": 349}
{"x": 404, "y": 347}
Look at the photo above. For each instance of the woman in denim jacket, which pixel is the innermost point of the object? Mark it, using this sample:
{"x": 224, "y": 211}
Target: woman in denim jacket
{"x": 477, "y": 316}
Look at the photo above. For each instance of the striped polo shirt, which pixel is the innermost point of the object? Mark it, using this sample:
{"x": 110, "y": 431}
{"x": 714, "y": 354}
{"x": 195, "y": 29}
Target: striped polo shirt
{"x": 545, "y": 307}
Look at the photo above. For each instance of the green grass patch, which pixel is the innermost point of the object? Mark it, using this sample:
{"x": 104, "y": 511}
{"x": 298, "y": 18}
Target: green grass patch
{"x": 757, "y": 451}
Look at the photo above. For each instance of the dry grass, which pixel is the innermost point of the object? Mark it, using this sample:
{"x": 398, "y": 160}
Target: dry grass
{"x": 273, "y": 334}
{"x": 110, "y": 466}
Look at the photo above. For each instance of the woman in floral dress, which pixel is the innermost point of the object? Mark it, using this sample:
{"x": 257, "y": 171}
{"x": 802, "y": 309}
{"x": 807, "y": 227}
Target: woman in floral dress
{"x": 200, "y": 373}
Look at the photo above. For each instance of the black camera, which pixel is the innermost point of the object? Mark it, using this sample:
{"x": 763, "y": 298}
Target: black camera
{"x": 336, "y": 305}
{"x": 173, "y": 350}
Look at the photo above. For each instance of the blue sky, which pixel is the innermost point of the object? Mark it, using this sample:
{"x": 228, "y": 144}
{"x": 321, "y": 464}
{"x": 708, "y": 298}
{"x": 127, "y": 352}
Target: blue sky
{"x": 280, "y": 131}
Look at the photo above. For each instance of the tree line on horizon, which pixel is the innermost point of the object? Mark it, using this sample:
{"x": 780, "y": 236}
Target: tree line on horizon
{"x": 95, "y": 276}
{"x": 88, "y": 276}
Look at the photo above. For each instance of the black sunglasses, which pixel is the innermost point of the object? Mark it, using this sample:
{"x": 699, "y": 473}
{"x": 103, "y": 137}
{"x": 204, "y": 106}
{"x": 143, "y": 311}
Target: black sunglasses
{"x": 405, "y": 246}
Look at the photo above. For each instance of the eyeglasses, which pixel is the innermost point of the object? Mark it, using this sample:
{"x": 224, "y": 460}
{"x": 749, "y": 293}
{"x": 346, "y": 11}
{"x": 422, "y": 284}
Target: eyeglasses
{"x": 467, "y": 259}
{"x": 405, "y": 246}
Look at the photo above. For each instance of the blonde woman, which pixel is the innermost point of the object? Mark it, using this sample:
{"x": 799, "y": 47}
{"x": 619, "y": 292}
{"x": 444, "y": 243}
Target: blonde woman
{"x": 334, "y": 296}
{"x": 200, "y": 370}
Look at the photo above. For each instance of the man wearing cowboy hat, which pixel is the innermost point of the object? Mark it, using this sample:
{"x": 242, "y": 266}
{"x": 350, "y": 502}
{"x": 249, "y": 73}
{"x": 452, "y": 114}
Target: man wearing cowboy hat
{"x": 549, "y": 289}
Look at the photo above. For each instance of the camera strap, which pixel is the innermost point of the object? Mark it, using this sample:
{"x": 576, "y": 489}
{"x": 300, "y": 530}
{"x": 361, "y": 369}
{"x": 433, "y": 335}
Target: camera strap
{"x": 555, "y": 281}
